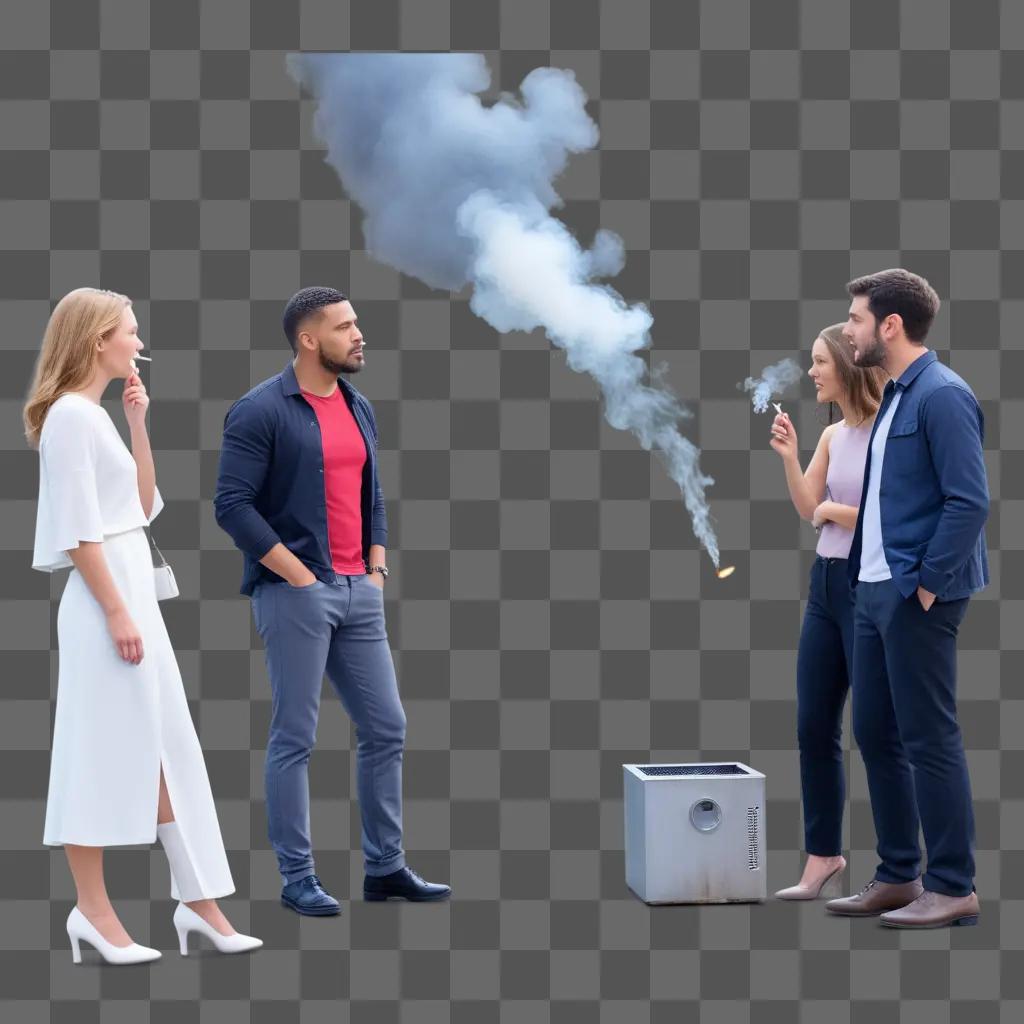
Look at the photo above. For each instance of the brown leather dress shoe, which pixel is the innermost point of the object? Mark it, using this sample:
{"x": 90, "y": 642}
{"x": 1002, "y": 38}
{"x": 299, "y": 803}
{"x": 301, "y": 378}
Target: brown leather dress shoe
{"x": 935, "y": 910}
{"x": 877, "y": 897}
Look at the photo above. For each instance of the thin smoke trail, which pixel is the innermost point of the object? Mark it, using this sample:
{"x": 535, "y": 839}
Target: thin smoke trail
{"x": 774, "y": 380}
{"x": 455, "y": 192}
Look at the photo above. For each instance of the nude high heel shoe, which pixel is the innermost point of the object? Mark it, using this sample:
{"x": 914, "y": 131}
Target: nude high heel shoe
{"x": 80, "y": 927}
{"x": 803, "y": 892}
{"x": 187, "y": 920}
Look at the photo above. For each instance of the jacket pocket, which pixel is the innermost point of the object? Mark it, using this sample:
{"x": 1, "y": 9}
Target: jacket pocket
{"x": 904, "y": 429}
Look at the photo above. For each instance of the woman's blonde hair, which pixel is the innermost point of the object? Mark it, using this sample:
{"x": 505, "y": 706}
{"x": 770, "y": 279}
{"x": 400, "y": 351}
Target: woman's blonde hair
{"x": 68, "y": 354}
{"x": 863, "y": 385}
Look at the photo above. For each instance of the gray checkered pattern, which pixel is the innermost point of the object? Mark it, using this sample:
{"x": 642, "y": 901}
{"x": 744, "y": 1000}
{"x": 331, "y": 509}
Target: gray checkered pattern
{"x": 550, "y": 612}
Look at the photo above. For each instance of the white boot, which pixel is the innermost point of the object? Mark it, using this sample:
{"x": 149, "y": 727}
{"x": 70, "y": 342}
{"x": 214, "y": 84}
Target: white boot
{"x": 80, "y": 927}
{"x": 185, "y": 884}
{"x": 187, "y": 920}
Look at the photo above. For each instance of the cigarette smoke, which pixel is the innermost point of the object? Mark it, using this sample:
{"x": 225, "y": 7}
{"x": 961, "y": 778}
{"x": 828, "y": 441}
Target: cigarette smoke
{"x": 773, "y": 381}
{"x": 457, "y": 193}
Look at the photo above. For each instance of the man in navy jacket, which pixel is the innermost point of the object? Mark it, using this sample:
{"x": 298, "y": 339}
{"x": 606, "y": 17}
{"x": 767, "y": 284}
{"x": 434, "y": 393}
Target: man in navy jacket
{"x": 298, "y": 492}
{"x": 918, "y": 553}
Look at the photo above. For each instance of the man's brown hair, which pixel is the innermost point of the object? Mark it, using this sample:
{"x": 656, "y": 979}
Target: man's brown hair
{"x": 899, "y": 291}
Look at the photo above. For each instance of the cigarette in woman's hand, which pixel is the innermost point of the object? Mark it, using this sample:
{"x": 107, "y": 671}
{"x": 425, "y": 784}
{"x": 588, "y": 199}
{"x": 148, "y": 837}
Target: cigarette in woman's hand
{"x": 778, "y": 409}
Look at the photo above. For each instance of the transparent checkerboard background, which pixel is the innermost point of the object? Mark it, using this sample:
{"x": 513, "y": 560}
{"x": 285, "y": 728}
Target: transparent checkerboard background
{"x": 550, "y": 613}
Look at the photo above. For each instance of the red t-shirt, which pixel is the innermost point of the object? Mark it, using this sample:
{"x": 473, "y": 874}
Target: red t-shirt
{"x": 344, "y": 458}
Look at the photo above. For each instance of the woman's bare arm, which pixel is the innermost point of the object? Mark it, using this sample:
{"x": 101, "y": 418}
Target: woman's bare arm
{"x": 806, "y": 489}
{"x": 844, "y": 515}
{"x": 90, "y": 561}
{"x": 143, "y": 454}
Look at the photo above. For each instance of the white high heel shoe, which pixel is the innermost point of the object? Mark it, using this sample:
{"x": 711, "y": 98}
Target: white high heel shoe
{"x": 80, "y": 927}
{"x": 187, "y": 920}
{"x": 185, "y": 885}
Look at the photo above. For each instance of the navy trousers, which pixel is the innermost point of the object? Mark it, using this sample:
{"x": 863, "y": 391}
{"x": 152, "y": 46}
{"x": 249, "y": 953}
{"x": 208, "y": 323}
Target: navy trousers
{"x": 822, "y": 681}
{"x": 336, "y": 627}
{"x": 904, "y": 721}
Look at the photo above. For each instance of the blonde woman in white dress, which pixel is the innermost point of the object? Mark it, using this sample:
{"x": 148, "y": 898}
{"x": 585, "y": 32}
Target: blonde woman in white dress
{"x": 126, "y": 766}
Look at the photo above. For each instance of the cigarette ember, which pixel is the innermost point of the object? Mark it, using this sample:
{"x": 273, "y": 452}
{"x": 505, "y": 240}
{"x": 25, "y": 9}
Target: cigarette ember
{"x": 725, "y": 573}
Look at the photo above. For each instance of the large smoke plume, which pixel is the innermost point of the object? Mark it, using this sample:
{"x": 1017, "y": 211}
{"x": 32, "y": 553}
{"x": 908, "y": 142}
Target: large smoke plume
{"x": 456, "y": 192}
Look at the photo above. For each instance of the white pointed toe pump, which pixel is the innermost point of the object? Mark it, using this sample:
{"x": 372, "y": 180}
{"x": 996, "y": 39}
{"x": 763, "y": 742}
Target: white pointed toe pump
{"x": 80, "y": 927}
{"x": 187, "y": 920}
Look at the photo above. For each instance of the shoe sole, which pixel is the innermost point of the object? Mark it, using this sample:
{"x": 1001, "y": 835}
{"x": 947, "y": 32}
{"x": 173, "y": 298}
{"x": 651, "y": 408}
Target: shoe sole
{"x": 308, "y": 912}
{"x": 378, "y": 897}
{"x": 963, "y": 922}
{"x": 861, "y": 913}
{"x": 864, "y": 913}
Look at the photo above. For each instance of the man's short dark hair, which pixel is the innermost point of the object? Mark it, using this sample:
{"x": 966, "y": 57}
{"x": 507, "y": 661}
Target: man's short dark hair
{"x": 304, "y": 302}
{"x": 899, "y": 291}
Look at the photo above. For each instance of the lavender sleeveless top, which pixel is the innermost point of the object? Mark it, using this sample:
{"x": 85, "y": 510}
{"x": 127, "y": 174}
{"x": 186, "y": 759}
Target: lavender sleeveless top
{"x": 847, "y": 453}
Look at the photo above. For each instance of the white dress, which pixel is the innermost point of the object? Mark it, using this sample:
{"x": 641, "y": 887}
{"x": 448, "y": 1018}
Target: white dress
{"x": 115, "y": 722}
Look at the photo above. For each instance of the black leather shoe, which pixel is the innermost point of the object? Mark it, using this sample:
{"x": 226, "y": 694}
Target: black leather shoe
{"x": 403, "y": 884}
{"x": 308, "y": 896}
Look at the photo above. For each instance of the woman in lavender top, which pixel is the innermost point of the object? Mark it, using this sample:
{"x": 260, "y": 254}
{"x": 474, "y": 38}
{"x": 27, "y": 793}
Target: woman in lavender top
{"x": 828, "y": 495}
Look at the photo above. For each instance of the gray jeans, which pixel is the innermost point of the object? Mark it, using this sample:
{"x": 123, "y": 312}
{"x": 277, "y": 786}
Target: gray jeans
{"x": 335, "y": 627}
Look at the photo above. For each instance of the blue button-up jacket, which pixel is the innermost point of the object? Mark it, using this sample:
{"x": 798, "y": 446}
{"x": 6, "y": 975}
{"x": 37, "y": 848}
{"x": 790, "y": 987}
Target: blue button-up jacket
{"x": 270, "y": 481}
{"x": 933, "y": 496}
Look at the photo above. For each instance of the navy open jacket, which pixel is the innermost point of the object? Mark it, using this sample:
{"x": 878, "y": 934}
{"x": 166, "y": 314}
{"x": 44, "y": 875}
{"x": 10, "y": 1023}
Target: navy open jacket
{"x": 270, "y": 480}
{"x": 933, "y": 498}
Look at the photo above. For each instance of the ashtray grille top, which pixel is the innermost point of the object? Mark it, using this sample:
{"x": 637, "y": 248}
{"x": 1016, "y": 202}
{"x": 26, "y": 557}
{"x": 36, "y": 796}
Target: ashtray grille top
{"x": 691, "y": 769}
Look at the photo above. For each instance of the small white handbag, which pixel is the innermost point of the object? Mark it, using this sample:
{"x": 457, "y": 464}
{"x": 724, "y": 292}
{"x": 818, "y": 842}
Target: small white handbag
{"x": 163, "y": 574}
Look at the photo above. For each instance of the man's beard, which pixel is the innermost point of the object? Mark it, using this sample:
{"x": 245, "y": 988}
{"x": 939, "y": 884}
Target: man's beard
{"x": 874, "y": 356}
{"x": 351, "y": 365}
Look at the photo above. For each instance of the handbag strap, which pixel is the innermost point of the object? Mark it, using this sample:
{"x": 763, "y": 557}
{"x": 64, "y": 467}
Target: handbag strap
{"x": 163, "y": 561}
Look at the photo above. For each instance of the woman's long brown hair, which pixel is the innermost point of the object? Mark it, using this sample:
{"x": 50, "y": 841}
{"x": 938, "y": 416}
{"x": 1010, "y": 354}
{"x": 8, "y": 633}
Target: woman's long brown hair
{"x": 68, "y": 354}
{"x": 863, "y": 386}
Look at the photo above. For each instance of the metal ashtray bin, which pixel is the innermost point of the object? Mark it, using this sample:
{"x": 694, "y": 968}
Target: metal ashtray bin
{"x": 695, "y": 832}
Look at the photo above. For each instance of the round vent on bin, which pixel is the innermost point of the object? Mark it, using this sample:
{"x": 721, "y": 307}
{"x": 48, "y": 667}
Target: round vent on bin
{"x": 705, "y": 815}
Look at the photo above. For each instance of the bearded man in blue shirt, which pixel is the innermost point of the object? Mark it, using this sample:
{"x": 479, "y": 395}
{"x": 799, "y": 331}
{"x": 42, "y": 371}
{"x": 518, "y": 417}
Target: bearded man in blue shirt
{"x": 918, "y": 553}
